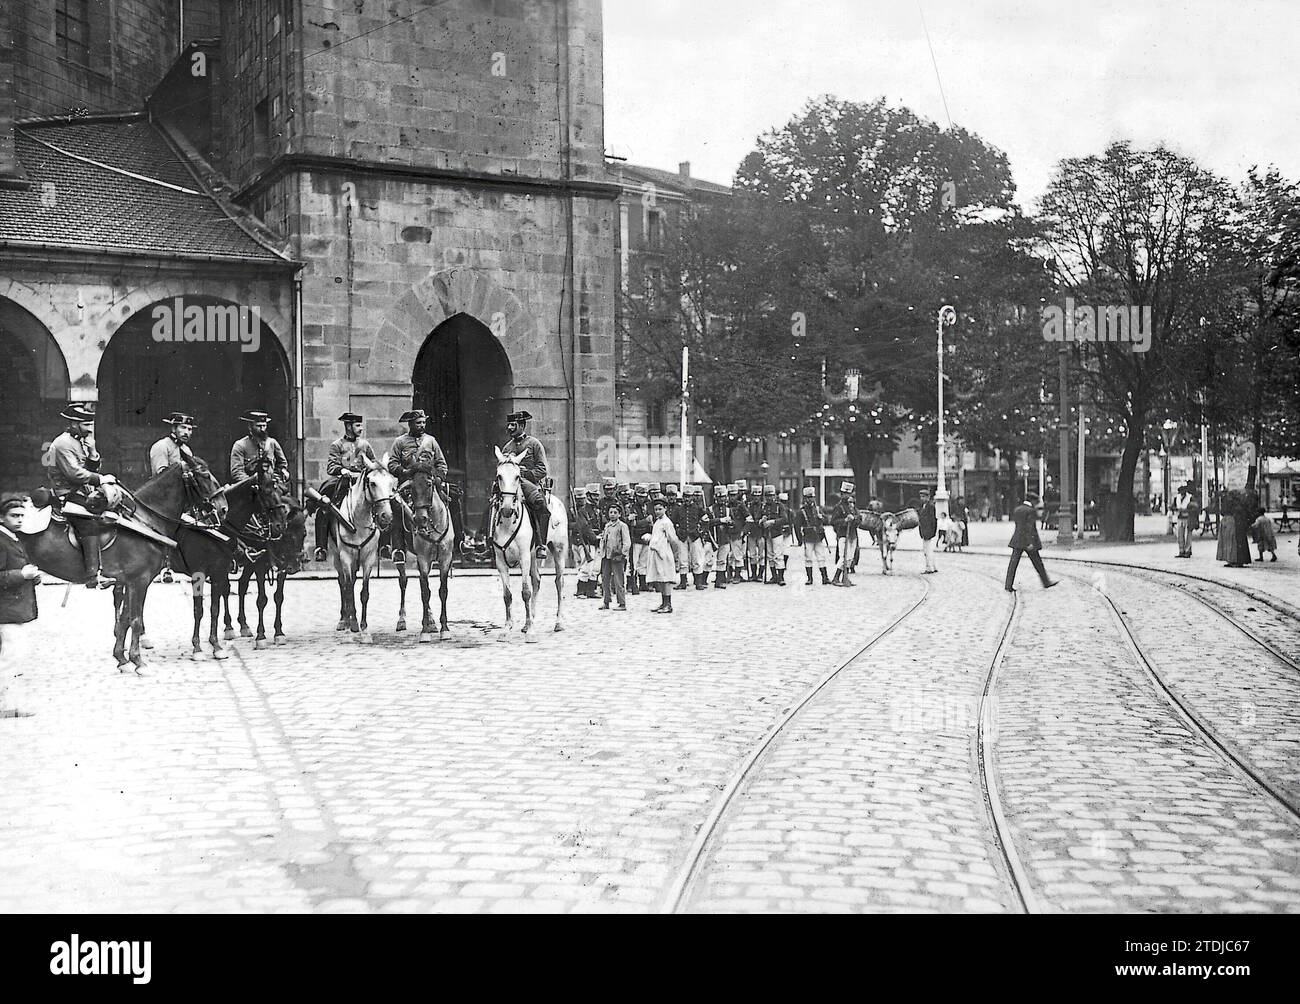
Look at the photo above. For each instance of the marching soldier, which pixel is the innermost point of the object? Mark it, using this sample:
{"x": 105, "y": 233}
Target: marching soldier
{"x": 642, "y": 524}
{"x": 414, "y": 450}
{"x": 697, "y": 527}
{"x": 772, "y": 524}
{"x": 753, "y": 532}
{"x": 720, "y": 517}
{"x": 810, "y": 532}
{"x": 346, "y": 463}
{"x": 587, "y": 520}
{"x": 74, "y": 475}
{"x": 246, "y": 452}
{"x": 173, "y": 448}
{"x": 845, "y": 519}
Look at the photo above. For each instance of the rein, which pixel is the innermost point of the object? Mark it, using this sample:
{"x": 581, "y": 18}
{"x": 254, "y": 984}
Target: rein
{"x": 496, "y": 521}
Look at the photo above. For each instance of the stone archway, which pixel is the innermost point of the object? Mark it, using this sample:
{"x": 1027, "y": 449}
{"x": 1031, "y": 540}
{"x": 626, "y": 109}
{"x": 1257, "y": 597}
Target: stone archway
{"x": 34, "y": 386}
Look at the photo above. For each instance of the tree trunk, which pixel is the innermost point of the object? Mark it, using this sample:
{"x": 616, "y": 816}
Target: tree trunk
{"x": 860, "y": 459}
{"x": 1121, "y": 528}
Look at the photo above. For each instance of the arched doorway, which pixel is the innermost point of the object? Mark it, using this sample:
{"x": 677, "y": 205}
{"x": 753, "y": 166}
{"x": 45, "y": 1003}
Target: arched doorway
{"x": 462, "y": 378}
{"x": 141, "y": 379}
{"x": 33, "y": 389}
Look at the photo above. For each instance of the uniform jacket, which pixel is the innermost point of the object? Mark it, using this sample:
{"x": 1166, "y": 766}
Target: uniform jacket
{"x": 676, "y": 513}
{"x": 808, "y": 523}
{"x": 70, "y": 456}
{"x": 642, "y": 520}
{"x": 1025, "y": 536}
{"x": 754, "y": 512}
{"x": 345, "y": 455}
{"x": 533, "y": 466}
{"x": 245, "y": 452}
{"x": 695, "y": 521}
{"x": 723, "y": 533}
{"x": 928, "y": 521}
{"x": 17, "y": 595}
{"x": 779, "y": 515}
{"x": 662, "y": 564}
{"x": 739, "y": 513}
{"x": 844, "y": 517}
{"x": 403, "y": 458}
{"x": 589, "y": 524}
{"x": 164, "y": 453}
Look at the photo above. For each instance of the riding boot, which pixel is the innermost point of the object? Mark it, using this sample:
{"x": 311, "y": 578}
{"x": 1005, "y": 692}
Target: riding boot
{"x": 809, "y": 571}
{"x": 826, "y": 581}
{"x": 681, "y": 581}
{"x": 167, "y": 568}
{"x": 718, "y": 581}
{"x": 90, "y": 557}
{"x": 322, "y": 533}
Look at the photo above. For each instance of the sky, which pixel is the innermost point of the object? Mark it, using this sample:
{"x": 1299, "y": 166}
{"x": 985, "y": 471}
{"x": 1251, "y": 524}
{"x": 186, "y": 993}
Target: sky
{"x": 1218, "y": 82}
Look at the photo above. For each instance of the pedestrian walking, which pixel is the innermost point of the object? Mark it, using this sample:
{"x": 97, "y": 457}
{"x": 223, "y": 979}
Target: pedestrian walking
{"x": 18, "y": 579}
{"x": 615, "y": 546}
{"x": 663, "y": 547}
{"x": 1025, "y": 540}
{"x": 929, "y": 530}
{"x": 1186, "y": 510}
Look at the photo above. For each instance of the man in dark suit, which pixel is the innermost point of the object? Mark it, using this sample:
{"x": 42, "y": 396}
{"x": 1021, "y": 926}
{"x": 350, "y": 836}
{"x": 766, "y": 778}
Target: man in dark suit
{"x": 1025, "y": 541}
{"x": 18, "y": 578}
{"x": 928, "y": 526}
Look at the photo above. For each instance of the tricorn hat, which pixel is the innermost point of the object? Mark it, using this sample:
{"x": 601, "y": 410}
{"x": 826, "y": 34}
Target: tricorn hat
{"x": 519, "y": 416}
{"x": 255, "y": 416}
{"x": 79, "y": 411}
{"x": 416, "y": 415}
{"x": 180, "y": 418}
{"x": 350, "y": 416}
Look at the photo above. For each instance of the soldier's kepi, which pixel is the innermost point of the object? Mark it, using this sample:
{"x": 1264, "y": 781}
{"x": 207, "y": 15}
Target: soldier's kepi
{"x": 347, "y": 461}
{"x": 74, "y": 475}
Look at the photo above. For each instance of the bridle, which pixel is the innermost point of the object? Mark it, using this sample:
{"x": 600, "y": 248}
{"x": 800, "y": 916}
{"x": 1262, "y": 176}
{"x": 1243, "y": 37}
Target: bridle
{"x": 372, "y": 503}
{"x": 520, "y": 516}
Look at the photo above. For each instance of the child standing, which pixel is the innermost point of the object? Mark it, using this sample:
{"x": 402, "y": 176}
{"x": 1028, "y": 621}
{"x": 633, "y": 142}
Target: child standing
{"x": 662, "y": 545}
{"x": 615, "y": 546}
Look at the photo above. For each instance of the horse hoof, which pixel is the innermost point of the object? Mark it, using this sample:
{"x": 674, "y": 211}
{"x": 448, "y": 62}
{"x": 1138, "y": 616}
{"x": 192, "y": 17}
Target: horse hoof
{"x": 197, "y": 657}
{"x": 401, "y": 626}
{"x": 145, "y": 642}
{"x": 426, "y": 638}
{"x": 342, "y": 626}
{"x": 259, "y": 643}
{"x": 363, "y": 638}
{"x": 280, "y": 640}
{"x": 559, "y": 626}
{"x": 444, "y": 635}
{"x": 228, "y": 634}
{"x": 245, "y": 632}
{"x": 220, "y": 654}
{"x": 531, "y": 639}
{"x": 504, "y": 635}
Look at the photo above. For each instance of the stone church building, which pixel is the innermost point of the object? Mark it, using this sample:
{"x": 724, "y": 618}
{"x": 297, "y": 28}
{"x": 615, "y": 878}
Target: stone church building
{"x": 407, "y": 198}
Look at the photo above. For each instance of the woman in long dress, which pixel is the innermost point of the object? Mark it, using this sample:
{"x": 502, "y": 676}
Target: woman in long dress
{"x": 662, "y": 544}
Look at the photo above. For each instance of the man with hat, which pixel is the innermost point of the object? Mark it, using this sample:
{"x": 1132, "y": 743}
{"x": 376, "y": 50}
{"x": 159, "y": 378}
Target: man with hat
{"x": 588, "y": 525}
{"x": 18, "y": 579}
{"x": 738, "y": 509}
{"x": 771, "y": 524}
{"x": 696, "y": 528}
{"x": 346, "y": 462}
{"x": 673, "y": 510}
{"x": 720, "y": 519}
{"x": 928, "y": 526}
{"x": 412, "y": 451}
{"x": 173, "y": 448}
{"x": 247, "y": 452}
{"x": 810, "y": 533}
{"x": 534, "y": 470}
{"x": 1186, "y": 510}
{"x": 1025, "y": 540}
{"x": 845, "y": 520}
{"x": 754, "y": 532}
{"x": 642, "y": 521}
{"x": 74, "y": 475}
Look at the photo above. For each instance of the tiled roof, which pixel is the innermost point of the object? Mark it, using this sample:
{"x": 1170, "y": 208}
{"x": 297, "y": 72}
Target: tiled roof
{"x": 672, "y": 180}
{"x": 140, "y": 197}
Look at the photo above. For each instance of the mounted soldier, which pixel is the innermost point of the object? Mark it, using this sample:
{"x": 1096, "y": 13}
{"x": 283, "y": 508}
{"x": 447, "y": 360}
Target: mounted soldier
{"x": 810, "y": 533}
{"x": 346, "y": 462}
{"x": 721, "y": 523}
{"x": 173, "y": 448}
{"x": 257, "y": 446}
{"x": 74, "y": 477}
{"x": 414, "y": 451}
{"x": 535, "y": 471}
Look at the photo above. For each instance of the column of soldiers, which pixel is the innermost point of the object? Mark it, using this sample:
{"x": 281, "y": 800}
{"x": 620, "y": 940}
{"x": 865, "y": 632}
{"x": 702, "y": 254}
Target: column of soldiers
{"x": 743, "y": 535}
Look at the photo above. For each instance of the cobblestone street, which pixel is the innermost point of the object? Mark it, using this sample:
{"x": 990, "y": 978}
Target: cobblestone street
{"x": 480, "y": 774}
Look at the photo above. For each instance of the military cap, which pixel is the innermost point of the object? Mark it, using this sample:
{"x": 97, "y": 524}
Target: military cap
{"x": 591, "y": 488}
{"x": 79, "y": 411}
{"x": 670, "y": 489}
{"x": 255, "y": 416}
{"x": 608, "y": 483}
{"x": 756, "y": 489}
{"x": 352, "y": 416}
{"x": 809, "y": 492}
{"x": 769, "y": 490}
{"x": 739, "y": 484}
{"x": 641, "y": 490}
{"x": 720, "y": 489}
{"x": 783, "y": 497}
{"x": 180, "y": 418}
{"x": 414, "y": 416}
{"x": 519, "y": 416}
{"x": 846, "y": 487}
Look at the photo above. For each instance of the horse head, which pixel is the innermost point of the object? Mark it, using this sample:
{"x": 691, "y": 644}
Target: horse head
{"x": 507, "y": 480}
{"x": 889, "y": 530}
{"x": 378, "y": 488}
{"x": 210, "y": 497}
{"x": 288, "y": 546}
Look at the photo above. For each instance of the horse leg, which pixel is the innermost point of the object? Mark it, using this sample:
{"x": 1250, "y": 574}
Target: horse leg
{"x": 196, "y": 589}
{"x": 528, "y": 587}
{"x": 220, "y": 591}
{"x": 229, "y": 631}
{"x": 426, "y": 592}
{"x": 559, "y": 588}
{"x": 244, "y": 577}
{"x": 135, "y": 595}
{"x": 280, "y": 575}
{"x": 444, "y": 570}
{"x": 365, "y": 603}
{"x": 260, "y": 640}
{"x": 119, "y": 624}
{"x": 504, "y": 571}
{"x": 343, "y": 604}
{"x": 401, "y": 595}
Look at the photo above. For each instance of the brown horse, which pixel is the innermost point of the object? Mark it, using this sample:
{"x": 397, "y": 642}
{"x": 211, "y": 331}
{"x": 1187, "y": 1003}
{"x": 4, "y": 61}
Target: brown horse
{"x": 129, "y": 557}
{"x": 433, "y": 540}
{"x": 279, "y": 557}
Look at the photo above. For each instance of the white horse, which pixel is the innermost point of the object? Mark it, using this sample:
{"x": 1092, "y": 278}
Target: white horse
{"x": 511, "y": 537}
{"x": 369, "y": 509}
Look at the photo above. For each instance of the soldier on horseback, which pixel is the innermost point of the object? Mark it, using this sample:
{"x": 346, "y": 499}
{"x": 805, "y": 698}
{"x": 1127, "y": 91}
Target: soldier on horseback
{"x": 74, "y": 477}
{"x": 346, "y": 463}
{"x": 413, "y": 452}
{"x": 173, "y": 448}
{"x": 534, "y": 471}
{"x": 257, "y": 446}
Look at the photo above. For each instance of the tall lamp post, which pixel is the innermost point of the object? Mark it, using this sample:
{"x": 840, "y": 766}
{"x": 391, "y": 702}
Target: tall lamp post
{"x": 947, "y": 315}
{"x": 1167, "y": 433}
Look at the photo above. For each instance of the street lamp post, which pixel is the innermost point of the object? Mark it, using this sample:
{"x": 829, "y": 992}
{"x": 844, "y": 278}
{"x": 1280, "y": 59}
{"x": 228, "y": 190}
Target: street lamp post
{"x": 1168, "y": 430}
{"x": 947, "y": 315}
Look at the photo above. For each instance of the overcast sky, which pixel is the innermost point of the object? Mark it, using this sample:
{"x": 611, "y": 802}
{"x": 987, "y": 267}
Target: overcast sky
{"x": 699, "y": 80}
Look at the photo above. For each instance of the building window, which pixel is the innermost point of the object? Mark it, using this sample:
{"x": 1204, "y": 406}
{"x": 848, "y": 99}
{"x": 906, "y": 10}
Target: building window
{"x": 654, "y": 417}
{"x": 72, "y": 29}
{"x": 654, "y": 228}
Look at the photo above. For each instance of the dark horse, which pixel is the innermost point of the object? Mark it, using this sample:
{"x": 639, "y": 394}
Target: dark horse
{"x": 433, "y": 542}
{"x": 254, "y": 510}
{"x": 130, "y": 558}
{"x": 278, "y": 556}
